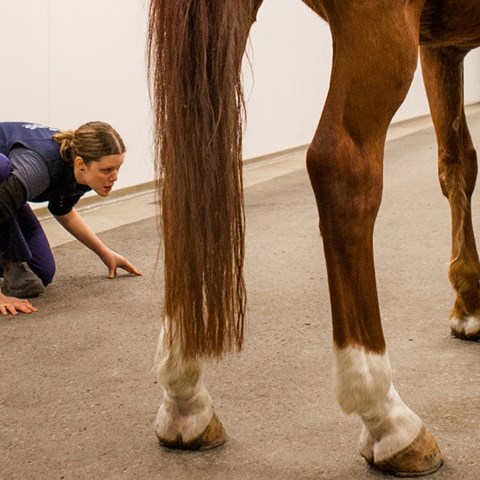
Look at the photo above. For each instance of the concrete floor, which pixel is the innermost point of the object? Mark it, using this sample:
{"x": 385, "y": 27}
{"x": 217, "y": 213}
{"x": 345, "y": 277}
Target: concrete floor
{"x": 78, "y": 397}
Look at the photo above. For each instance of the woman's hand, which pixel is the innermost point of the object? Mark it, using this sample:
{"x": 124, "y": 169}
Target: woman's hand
{"x": 113, "y": 261}
{"x": 14, "y": 305}
{"x": 74, "y": 223}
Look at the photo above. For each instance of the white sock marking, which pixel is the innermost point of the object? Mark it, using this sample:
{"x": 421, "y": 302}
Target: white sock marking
{"x": 186, "y": 407}
{"x": 364, "y": 386}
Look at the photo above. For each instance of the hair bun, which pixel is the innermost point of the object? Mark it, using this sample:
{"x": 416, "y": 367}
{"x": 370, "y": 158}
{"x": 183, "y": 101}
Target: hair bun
{"x": 65, "y": 140}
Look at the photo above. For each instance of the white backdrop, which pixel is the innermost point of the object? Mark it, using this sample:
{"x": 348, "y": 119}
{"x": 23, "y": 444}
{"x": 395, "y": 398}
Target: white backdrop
{"x": 65, "y": 62}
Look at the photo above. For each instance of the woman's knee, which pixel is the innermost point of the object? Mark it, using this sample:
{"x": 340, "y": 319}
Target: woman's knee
{"x": 42, "y": 264}
{"x": 44, "y": 270}
{"x": 49, "y": 274}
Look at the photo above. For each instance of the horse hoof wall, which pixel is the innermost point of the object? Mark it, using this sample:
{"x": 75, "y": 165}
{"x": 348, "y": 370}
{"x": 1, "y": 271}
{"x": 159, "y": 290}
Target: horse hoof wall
{"x": 421, "y": 457}
{"x": 465, "y": 328}
{"x": 213, "y": 436}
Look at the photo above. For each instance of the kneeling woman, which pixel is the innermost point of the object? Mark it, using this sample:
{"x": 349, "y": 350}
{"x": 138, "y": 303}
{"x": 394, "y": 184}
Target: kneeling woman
{"x": 41, "y": 164}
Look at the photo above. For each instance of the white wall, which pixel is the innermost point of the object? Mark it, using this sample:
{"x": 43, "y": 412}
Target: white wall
{"x": 291, "y": 63}
{"x": 66, "y": 62}
{"x": 290, "y": 53}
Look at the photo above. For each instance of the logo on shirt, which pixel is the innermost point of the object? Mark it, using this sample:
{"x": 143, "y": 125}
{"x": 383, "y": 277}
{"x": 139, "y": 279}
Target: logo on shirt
{"x": 35, "y": 126}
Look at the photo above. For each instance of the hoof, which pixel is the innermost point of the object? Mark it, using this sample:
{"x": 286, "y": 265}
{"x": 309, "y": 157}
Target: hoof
{"x": 466, "y": 328}
{"x": 213, "y": 436}
{"x": 421, "y": 457}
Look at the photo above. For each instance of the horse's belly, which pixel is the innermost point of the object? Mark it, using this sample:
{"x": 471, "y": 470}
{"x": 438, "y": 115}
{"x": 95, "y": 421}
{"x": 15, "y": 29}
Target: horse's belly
{"x": 451, "y": 23}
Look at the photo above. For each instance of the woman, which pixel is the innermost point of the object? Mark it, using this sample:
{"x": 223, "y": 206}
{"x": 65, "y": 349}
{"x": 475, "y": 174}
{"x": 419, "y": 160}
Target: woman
{"x": 42, "y": 164}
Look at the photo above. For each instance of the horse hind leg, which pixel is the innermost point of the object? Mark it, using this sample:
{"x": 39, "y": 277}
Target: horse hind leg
{"x": 457, "y": 167}
{"x": 345, "y": 163}
{"x": 186, "y": 418}
{"x": 195, "y": 51}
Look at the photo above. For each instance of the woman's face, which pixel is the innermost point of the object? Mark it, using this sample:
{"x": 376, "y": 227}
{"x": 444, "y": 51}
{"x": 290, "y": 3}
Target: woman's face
{"x": 99, "y": 175}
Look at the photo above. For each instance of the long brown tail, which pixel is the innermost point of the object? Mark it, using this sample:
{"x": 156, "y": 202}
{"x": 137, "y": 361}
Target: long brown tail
{"x": 195, "y": 50}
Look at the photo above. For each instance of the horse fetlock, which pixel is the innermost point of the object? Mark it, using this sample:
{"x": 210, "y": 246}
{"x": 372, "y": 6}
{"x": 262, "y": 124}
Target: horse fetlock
{"x": 363, "y": 379}
{"x": 467, "y": 302}
{"x": 464, "y": 276}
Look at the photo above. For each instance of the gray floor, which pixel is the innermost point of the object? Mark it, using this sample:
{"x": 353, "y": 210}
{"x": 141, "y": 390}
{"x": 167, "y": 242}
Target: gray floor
{"x": 78, "y": 398}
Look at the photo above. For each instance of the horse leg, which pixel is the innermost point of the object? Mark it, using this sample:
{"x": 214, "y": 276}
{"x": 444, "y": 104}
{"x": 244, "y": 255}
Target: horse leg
{"x": 186, "y": 418}
{"x": 457, "y": 168}
{"x": 375, "y": 55}
{"x": 195, "y": 52}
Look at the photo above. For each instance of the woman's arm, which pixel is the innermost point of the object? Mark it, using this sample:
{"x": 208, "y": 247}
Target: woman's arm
{"x": 74, "y": 224}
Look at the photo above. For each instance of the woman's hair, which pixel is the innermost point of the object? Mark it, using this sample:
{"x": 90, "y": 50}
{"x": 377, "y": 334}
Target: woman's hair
{"x": 89, "y": 141}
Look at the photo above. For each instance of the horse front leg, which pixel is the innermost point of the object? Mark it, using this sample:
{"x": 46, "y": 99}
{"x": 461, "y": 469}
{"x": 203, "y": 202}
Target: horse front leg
{"x": 457, "y": 168}
{"x": 186, "y": 418}
{"x": 370, "y": 77}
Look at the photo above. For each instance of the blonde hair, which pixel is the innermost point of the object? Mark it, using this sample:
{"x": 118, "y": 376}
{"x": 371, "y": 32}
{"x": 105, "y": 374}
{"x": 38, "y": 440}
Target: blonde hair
{"x": 90, "y": 141}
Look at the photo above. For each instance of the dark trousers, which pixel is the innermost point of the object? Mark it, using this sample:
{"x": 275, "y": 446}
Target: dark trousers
{"x": 22, "y": 238}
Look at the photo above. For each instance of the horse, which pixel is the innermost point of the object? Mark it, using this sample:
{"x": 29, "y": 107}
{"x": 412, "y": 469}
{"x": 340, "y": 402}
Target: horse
{"x": 194, "y": 57}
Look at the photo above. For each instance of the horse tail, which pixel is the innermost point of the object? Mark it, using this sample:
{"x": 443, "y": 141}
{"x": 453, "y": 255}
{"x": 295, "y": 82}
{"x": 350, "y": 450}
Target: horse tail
{"x": 194, "y": 55}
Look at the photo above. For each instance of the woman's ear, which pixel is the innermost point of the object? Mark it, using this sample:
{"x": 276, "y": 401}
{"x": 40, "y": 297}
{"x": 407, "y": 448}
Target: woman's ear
{"x": 79, "y": 163}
